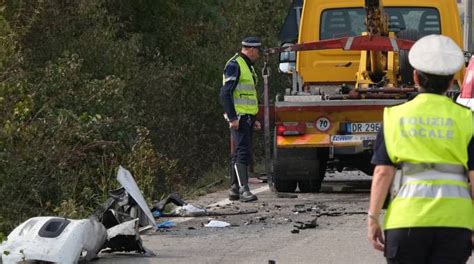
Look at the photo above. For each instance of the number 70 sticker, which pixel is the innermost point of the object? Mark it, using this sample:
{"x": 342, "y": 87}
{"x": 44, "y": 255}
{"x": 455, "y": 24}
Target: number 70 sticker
{"x": 323, "y": 124}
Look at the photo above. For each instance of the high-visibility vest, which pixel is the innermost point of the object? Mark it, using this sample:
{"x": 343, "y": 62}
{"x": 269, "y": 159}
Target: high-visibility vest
{"x": 245, "y": 94}
{"x": 429, "y": 136}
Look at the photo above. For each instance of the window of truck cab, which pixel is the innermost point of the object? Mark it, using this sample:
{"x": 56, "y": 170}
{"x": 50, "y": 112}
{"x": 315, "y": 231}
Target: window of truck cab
{"x": 349, "y": 22}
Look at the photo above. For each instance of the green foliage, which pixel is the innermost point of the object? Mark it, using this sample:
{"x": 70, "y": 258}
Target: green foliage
{"x": 86, "y": 86}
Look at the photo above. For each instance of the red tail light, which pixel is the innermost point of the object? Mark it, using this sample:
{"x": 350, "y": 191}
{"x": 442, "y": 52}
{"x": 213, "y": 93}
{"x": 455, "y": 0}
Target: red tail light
{"x": 291, "y": 128}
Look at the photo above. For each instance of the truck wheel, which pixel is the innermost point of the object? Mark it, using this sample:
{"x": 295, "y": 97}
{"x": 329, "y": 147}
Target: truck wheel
{"x": 280, "y": 168}
{"x": 406, "y": 70}
{"x": 285, "y": 185}
{"x": 309, "y": 186}
{"x": 314, "y": 185}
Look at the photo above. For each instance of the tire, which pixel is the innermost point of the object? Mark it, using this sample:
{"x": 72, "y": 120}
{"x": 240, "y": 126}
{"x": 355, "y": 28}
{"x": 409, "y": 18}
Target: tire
{"x": 279, "y": 169}
{"x": 303, "y": 166}
{"x": 309, "y": 186}
{"x": 314, "y": 185}
{"x": 406, "y": 70}
{"x": 285, "y": 185}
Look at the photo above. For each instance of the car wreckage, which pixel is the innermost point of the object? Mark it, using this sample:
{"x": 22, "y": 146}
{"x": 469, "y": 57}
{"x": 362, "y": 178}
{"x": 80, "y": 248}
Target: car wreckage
{"x": 113, "y": 227}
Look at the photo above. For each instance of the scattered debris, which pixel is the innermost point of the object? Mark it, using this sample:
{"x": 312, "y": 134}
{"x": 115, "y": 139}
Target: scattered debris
{"x": 114, "y": 226}
{"x": 125, "y": 210}
{"x": 300, "y": 208}
{"x": 127, "y": 228}
{"x": 299, "y": 225}
{"x": 54, "y": 239}
{"x": 124, "y": 237}
{"x": 190, "y": 210}
{"x": 185, "y": 209}
{"x": 166, "y": 224}
{"x": 126, "y": 179}
{"x": 217, "y": 223}
{"x": 311, "y": 224}
{"x": 174, "y": 198}
{"x": 209, "y": 213}
{"x": 241, "y": 212}
{"x": 156, "y": 214}
{"x": 340, "y": 213}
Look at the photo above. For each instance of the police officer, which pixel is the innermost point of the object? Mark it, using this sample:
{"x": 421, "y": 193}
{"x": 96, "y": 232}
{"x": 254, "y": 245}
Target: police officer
{"x": 239, "y": 98}
{"x": 429, "y": 138}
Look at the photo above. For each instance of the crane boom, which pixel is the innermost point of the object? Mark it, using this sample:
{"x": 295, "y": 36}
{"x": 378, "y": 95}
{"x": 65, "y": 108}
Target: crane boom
{"x": 375, "y": 19}
{"x": 376, "y": 67}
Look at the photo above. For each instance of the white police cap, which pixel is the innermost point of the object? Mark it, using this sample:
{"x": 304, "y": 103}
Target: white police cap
{"x": 436, "y": 54}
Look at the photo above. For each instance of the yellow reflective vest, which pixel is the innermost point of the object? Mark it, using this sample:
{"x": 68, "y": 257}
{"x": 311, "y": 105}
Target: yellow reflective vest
{"x": 429, "y": 137}
{"x": 245, "y": 94}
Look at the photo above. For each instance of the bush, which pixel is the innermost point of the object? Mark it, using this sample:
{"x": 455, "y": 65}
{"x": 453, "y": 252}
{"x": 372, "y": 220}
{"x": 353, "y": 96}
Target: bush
{"x": 86, "y": 86}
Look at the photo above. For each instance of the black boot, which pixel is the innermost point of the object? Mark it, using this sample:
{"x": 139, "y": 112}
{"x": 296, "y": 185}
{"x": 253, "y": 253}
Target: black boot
{"x": 243, "y": 177}
{"x": 234, "y": 185}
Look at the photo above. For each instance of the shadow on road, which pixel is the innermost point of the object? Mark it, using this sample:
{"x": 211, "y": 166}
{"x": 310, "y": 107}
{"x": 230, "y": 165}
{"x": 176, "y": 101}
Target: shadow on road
{"x": 349, "y": 186}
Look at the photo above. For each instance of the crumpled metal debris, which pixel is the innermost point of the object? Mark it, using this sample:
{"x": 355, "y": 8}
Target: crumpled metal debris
{"x": 114, "y": 227}
{"x": 123, "y": 213}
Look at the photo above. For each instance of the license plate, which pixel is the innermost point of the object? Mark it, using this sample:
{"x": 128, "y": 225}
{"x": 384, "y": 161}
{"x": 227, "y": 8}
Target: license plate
{"x": 363, "y": 127}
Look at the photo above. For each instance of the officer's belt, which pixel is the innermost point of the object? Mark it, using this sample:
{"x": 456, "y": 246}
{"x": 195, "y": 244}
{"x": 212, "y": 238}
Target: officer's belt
{"x": 416, "y": 168}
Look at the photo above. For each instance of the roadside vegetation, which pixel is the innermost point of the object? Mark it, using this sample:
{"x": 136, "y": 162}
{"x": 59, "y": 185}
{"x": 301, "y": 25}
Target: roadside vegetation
{"x": 86, "y": 86}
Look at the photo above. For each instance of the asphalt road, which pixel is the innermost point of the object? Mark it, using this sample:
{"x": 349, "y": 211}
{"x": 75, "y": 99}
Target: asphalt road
{"x": 265, "y": 236}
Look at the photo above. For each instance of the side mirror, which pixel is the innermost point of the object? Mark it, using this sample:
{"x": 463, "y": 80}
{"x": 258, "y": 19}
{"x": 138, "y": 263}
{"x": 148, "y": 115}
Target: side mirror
{"x": 287, "y": 60}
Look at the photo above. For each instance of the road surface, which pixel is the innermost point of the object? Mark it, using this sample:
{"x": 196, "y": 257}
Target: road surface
{"x": 266, "y": 236}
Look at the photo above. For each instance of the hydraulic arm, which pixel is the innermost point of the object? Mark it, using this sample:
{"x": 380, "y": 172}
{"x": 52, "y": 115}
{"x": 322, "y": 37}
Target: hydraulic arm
{"x": 376, "y": 68}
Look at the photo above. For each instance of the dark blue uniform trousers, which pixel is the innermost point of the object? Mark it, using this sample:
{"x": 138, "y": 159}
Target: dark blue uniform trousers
{"x": 243, "y": 140}
{"x": 428, "y": 245}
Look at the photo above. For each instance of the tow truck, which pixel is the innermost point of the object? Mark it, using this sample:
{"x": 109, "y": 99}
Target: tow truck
{"x": 346, "y": 61}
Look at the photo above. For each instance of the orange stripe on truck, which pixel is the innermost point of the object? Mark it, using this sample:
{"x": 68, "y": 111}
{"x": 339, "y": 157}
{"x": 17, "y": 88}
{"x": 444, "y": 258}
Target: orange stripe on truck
{"x": 308, "y": 140}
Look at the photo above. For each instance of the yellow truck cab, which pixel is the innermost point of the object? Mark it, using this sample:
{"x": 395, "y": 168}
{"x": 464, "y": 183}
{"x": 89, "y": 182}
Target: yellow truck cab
{"x": 319, "y": 123}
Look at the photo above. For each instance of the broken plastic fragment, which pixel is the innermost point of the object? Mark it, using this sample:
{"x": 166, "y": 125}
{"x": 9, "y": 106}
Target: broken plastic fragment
{"x": 128, "y": 228}
{"x": 190, "y": 210}
{"x": 166, "y": 224}
{"x": 54, "y": 239}
{"x": 156, "y": 213}
{"x": 126, "y": 179}
{"x": 217, "y": 223}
